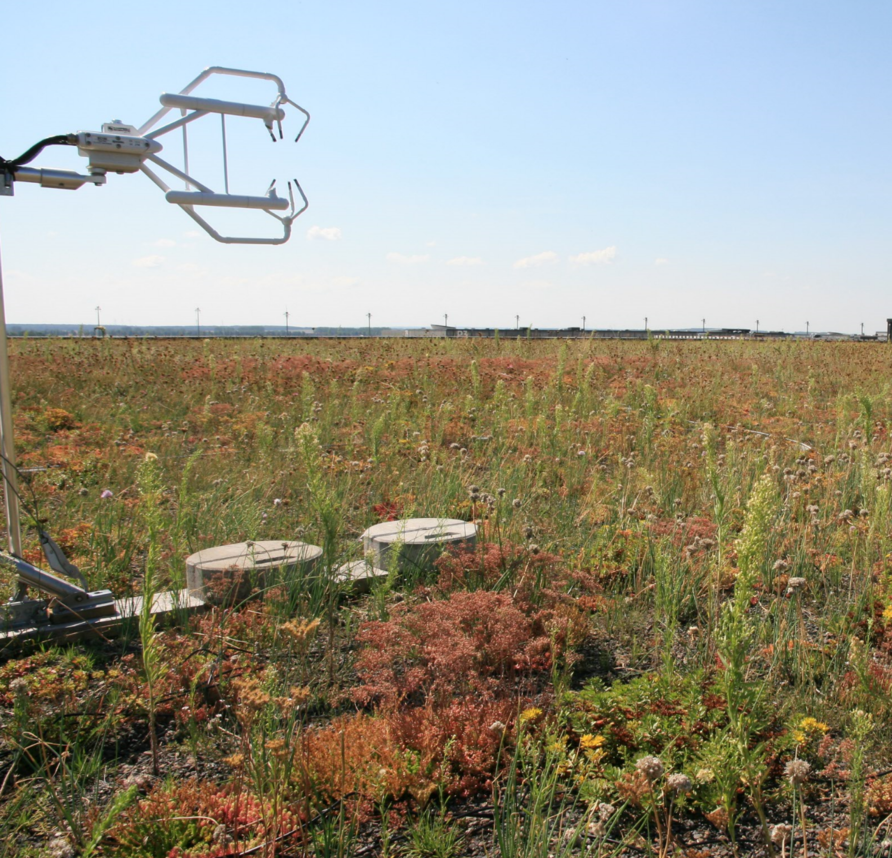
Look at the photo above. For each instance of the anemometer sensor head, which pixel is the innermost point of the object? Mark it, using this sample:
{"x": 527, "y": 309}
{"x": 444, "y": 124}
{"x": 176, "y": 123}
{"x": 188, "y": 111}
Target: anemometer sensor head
{"x": 121, "y": 148}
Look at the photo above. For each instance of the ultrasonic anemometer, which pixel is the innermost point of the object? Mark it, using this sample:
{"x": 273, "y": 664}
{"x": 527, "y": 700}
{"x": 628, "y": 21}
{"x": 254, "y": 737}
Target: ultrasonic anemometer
{"x": 119, "y": 148}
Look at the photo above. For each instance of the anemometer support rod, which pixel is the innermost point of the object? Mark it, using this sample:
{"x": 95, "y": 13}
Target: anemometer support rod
{"x": 7, "y": 447}
{"x": 64, "y": 179}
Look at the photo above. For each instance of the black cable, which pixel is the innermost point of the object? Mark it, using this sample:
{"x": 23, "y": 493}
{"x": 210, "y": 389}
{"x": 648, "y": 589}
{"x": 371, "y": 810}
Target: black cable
{"x": 33, "y": 512}
{"x": 30, "y": 154}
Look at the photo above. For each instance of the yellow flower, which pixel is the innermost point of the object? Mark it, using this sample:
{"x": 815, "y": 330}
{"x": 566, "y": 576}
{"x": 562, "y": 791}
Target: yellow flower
{"x": 534, "y": 713}
{"x": 798, "y": 737}
{"x": 812, "y": 725}
{"x": 589, "y": 742}
{"x": 887, "y": 614}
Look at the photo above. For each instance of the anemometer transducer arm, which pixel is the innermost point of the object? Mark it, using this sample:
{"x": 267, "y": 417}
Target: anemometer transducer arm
{"x": 121, "y": 148}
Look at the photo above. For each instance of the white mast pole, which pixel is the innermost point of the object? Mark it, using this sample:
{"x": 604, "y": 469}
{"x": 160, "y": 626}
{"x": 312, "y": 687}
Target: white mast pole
{"x": 7, "y": 447}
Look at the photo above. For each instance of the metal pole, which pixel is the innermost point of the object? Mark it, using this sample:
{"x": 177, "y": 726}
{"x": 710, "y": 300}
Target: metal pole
{"x": 7, "y": 447}
{"x": 286, "y": 323}
{"x": 198, "y": 320}
{"x": 583, "y": 324}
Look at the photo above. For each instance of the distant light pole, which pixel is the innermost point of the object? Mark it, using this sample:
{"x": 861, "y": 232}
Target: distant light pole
{"x": 286, "y": 323}
{"x": 517, "y": 322}
{"x": 370, "y": 323}
{"x": 806, "y": 328}
{"x": 445, "y": 320}
{"x": 757, "y": 326}
{"x": 583, "y": 324}
{"x": 862, "y": 329}
{"x": 198, "y": 320}
{"x": 98, "y": 324}
{"x": 704, "y": 325}
{"x": 645, "y": 324}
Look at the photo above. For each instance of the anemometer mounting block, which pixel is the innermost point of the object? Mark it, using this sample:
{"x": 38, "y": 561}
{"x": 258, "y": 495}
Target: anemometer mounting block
{"x": 116, "y": 153}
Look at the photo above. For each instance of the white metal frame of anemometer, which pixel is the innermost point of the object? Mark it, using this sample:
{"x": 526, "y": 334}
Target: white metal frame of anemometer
{"x": 121, "y": 148}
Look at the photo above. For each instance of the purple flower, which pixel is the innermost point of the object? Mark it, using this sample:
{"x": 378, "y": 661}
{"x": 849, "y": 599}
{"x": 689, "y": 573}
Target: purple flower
{"x": 107, "y": 493}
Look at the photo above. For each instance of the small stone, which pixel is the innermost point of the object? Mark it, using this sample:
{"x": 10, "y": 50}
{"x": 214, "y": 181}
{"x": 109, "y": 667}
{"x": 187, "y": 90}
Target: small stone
{"x": 59, "y": 847}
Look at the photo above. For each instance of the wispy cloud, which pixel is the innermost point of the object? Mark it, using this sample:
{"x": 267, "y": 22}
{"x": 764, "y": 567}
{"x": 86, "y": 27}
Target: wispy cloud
{"x": 328, "y": 233}
{"x": 193, "y": 233}
{"x": 545, "y": 258}
{"x": 402, "y": 259}
{"x": 165, "y": 242}
{"x": 465, "y": 260}
{"x": 192, "y": 268}
{"x": 661, "y": 260}
{"x": 344, "y": 282}
{"x": 595, "y": 257}
{"x": 153, "y": 261}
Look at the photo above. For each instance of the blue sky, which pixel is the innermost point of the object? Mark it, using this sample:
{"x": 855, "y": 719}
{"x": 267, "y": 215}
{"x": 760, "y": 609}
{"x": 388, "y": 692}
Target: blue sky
{"x": 675, "y": 160}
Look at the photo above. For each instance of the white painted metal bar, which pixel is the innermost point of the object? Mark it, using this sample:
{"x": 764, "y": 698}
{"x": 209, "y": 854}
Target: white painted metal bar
{"x": 234, "y": 201}
{"x": 155, "y": 178}
{"x": 232, "y": 108}
{"x": 179, "y": 174}
{"x": 7, "y": 446}
{"x": 212, "y": 70}
{"x": 225, "y": 239}
{"x": 186, "y": 155}
{"x": 197, "y": 114}
{"x": 225, "y": 159}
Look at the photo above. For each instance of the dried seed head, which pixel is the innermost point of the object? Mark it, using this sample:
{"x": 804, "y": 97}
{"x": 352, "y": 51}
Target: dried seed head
{"x": 605, "y": 811}
{"x": 797, "y": 772}
{"x": 596, "y": 830}
{"x": 679, "y": 784}
{"x": 650, "y": 767}
{"x": 781, "y": 833}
